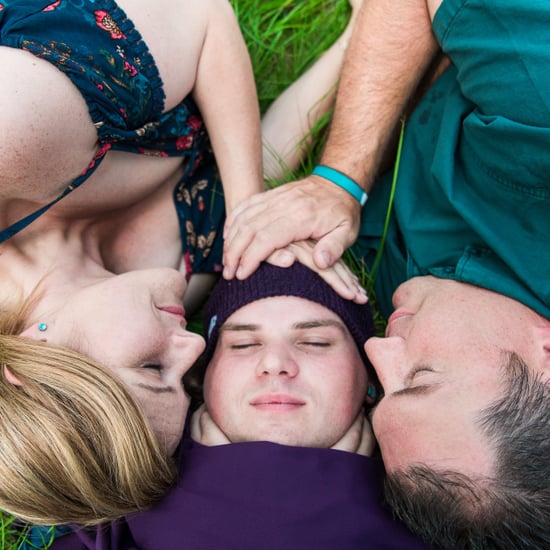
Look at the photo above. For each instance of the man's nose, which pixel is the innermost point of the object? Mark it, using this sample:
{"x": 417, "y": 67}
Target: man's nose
{"x": 387, "y": 356}
{"x": 277, "y": 361}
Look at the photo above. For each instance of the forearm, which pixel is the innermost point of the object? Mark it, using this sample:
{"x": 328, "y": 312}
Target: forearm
{"x": 389, "y": 52}
{"x": 226, "y": 95}
{"x": 287, "y": 124}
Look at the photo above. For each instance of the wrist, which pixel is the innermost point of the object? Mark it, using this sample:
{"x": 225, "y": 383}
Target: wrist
{"x": 343, "y": 181}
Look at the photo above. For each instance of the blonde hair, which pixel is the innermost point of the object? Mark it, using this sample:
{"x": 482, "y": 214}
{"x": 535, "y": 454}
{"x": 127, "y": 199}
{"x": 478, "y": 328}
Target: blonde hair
{"x": 74, "y": 444}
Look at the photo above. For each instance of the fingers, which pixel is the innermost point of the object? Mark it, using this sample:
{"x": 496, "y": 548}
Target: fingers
{"x": 263, "y": 224}
{"x": 367, "y": 441}
{"x": 358, "y": 439}
{"x": 196, "y": 432}
{"x": 331, "y": 247}
{"x": 282, "y": 258}
{"x": 205, "y": 431}
{"x": 256, "y": 218}
{"x": 354, "y": 290}
{"x": 255, "y": 203}
{"x": 296, "y": 211}
{"x": 339, "y": 276}
{"x": 258, "y": 245}
{"x": 343, "y": 282}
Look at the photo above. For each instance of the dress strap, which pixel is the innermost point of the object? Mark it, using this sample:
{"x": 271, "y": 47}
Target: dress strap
{"x": 27, "y": 220}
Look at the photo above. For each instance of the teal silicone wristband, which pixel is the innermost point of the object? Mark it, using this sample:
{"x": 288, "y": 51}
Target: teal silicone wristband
{"x": 341, "y": 180}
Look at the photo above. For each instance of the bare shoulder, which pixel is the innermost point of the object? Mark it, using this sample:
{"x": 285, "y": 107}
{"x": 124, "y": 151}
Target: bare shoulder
{"x": 41, "y": 113}
{"x": 174, "y": 31}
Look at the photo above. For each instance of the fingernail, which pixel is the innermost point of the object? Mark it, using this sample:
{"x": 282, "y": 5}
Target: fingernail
{"x": 327, "y": 258}
{"x": 286, "y": 257}
{"x": 371, "y": 391}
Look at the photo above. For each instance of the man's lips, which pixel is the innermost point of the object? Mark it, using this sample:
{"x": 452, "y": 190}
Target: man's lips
{"x": 277, "y": 402}
{"x": 397, "y": 314}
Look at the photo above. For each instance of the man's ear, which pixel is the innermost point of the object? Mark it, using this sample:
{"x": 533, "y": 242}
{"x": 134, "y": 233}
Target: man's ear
{"x": 543, "y": 340}
{"x": 372, "y": 395}
{"x": 10, "y": 377}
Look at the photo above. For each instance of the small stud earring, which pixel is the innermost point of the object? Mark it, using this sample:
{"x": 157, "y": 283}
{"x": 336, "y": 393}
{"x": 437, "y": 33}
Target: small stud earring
{"x": 42, "y": 327}
{"x": 371, "y": 392}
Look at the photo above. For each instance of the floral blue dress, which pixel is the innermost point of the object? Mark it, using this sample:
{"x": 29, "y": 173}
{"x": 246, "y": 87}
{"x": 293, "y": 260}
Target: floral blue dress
{"x": 100, "y": 50}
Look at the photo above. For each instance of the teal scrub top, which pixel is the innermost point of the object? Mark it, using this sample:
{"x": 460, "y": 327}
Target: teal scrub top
{"x": 472, "y": 195}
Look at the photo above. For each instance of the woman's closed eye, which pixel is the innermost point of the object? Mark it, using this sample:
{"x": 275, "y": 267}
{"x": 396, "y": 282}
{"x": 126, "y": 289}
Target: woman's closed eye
{"x": 152, "y": 367}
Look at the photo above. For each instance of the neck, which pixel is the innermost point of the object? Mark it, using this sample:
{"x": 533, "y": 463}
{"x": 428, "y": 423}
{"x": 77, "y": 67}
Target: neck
{"x": 56, "y": 260}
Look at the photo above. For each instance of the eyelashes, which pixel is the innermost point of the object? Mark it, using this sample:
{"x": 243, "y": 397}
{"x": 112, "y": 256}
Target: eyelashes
{"x": 152, "y": 366}
{"x": 419, "y": 372}
{"x": 316, "y": 344}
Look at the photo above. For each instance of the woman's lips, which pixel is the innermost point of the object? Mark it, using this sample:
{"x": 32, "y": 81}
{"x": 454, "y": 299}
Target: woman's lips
{"x": 174, "y": 310}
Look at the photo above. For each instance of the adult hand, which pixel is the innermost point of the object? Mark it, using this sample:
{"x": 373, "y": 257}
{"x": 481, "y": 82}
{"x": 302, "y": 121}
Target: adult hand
{"x": 205, "y": 431}
{"x": 311, "y": 208}
{"x": 359, "y": 438}
{"x": 339, "y": 276}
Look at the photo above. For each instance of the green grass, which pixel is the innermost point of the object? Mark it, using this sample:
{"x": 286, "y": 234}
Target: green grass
{"x": 285, "y": 37}
{"x": 10, "y": 535}
{"x": 13, "y": 535}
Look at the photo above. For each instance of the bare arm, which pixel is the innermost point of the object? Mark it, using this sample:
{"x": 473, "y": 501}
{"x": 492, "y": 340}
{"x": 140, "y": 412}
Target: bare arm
{"x": 380, "y": 74}
{"x": 225, "y": 93}
{"x": 287, "y": 124}
{"x": 391, "y": 47}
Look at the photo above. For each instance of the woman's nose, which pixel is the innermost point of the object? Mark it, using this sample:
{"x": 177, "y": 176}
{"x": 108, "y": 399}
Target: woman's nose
{"x": 387, "y": 356}
{"x": 185, "y": 348}
{"x": 277, "y": 361}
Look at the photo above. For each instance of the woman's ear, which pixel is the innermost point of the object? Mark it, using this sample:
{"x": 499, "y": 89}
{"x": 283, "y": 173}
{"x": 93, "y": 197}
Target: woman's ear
{"x": 37, "y": 331}
{"x": 10, "y": 377}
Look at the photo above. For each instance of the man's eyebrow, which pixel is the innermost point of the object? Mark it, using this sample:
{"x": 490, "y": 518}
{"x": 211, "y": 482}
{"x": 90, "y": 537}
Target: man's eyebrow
{"x": 157, "y": 389}
{"x": 302, "y": 325}
{"x": 239, "y": 326}
{"x": 316, "y": 323}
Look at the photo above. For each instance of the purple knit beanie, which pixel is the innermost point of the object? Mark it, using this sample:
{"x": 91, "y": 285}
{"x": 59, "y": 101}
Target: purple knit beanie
{"x": 268, "y": 281}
